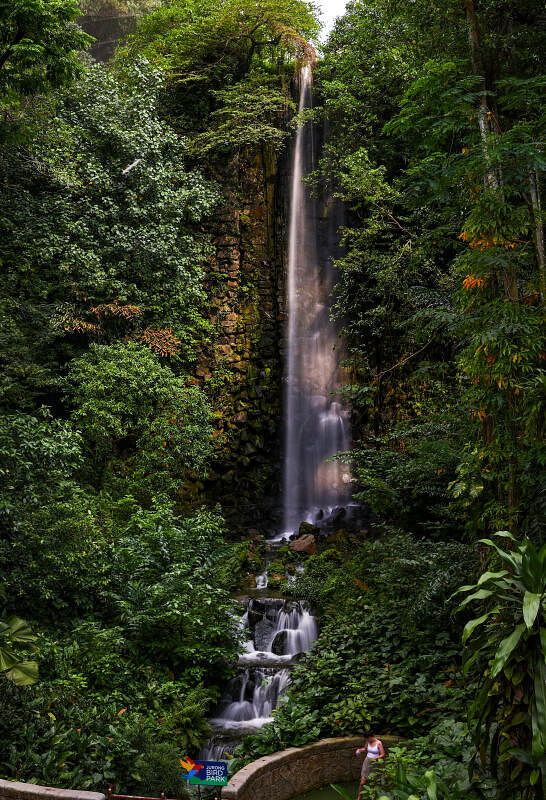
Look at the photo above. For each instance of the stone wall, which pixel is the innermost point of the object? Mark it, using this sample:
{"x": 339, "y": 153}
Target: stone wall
{"x": 13, "y": 790}
{"x": 284, "y": 775}
{"x": 241, "y": 369}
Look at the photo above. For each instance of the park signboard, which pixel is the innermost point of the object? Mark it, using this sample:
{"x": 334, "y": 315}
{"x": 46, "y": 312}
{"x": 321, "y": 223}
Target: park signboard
{"x": 204, "y": 773}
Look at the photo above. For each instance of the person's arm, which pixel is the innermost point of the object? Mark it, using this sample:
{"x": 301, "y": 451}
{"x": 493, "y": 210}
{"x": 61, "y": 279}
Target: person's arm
{"x": 381, "y": 749}
{"x": 361, "y": 750}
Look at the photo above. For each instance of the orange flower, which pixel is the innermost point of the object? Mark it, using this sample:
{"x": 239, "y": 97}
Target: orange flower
{"x": 472, "y": 281}
{"x": 123, "y": 710}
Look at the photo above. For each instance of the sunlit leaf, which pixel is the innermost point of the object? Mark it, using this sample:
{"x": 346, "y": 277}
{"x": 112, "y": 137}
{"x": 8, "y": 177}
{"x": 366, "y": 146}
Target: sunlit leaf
{"x": 505, "y": 649}
{"x": 531, "y": 605}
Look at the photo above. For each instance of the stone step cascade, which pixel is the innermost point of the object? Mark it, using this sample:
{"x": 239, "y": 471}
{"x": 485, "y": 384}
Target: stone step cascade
{"x": 278, "y": 631}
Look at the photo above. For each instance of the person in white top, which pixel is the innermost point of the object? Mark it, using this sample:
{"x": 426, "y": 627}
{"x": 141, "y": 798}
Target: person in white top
{"x": 374, "y": 752}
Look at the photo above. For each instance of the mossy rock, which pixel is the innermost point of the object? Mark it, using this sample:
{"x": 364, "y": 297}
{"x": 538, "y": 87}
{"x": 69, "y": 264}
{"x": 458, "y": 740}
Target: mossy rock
{"x": 288, "y": 556}
{"x": 306, "y": 528}
{"x": 274, "y": 567}
{"x": 277, "y": 580}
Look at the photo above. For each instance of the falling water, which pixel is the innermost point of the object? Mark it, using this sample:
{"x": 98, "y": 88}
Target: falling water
{"x": 262, "y": 580}
{"x": 278, "y": 631}
{"x": 316, "y": 423}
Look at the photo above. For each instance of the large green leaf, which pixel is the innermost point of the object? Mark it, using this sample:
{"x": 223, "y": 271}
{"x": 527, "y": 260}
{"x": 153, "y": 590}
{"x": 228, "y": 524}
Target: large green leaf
{"x": 467, "y": 588}
{"x": 477, "y": 650}
{"x": 7, "y": 658}
{"x": 481, "y": 594}
{"x": 506, "y": 648}
{"x": 20, "y": 630}
{"x": 432, "y": 788}
{"x": 514, "y": 559}
{"x": 522, "y": 755}
{"x": 531, "y": 605}
{"x": 471, "y": 626}
{"x": 15, "y": 631}
{"x": 342, "y": 792}
{"x": 531, "y": 568}
{"x": 506, "y": 535}
{"x": 488, "y": 576}
{"x": 24, "y": 673}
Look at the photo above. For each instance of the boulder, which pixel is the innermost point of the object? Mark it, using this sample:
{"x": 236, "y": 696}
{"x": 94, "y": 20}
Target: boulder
{"x": 306, "y": 528}
{"x": 278, "y": 646}
{"x": 304, "y": 544}
{"x": 256, "y": 613}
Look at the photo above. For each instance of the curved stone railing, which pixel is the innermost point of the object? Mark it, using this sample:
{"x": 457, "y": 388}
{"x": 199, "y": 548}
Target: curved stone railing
{"x": 13, "y": 790}
{"x": 288, "y": 773}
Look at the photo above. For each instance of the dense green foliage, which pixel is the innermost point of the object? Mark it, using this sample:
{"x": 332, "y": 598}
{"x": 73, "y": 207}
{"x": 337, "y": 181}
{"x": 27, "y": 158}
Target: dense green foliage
{"x": 125, "y": 582}
{"x": 228, "y": 67}
{"x": 443, "y": 272}
{"x": 435, "y": 145}
{"x": 117, "y": 624}
{"x": 39, "y": 45}
{"x": 386, "y": 654}
{"x": 508, "y": 711}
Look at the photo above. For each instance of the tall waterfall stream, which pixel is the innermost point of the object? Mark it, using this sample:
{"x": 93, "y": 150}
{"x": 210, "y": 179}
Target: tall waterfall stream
{"x": 315, "y": 422}
{"x": 316, "y": 428}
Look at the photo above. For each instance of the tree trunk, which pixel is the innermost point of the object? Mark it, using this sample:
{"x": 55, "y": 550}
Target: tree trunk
{"x": 484, "y": 112}
{"x": 492, "y": 178}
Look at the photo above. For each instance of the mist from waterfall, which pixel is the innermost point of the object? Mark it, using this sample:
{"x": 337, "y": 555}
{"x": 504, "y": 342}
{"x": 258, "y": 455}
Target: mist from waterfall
{"x": 316, "y": 422}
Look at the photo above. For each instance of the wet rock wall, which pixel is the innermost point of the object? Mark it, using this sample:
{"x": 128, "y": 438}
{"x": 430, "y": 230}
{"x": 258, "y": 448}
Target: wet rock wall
{"x": 242, "y": 369}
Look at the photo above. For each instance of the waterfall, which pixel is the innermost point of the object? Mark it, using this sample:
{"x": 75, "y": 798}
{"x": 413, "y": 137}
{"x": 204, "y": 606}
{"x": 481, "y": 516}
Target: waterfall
{"x": 316, "y": 423}
{"x": 278, "y": 631}
{"x": 316, "y": 428}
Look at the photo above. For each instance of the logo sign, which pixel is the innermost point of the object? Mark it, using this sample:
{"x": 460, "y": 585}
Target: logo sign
{"x": 204, "y": 773}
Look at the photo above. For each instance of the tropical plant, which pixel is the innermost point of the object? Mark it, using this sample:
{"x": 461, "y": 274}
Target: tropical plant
{"x": 39, "y": 45}
{"x": 126, "y": 402}
{"x": 415, "y": 787}
{"x": 16, "y": 635}
{"x": 506, "y": 651}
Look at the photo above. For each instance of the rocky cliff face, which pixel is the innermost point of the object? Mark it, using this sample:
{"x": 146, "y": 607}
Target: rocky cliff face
{"x": 108, "y": 26}
{"x": 242, "y": 372}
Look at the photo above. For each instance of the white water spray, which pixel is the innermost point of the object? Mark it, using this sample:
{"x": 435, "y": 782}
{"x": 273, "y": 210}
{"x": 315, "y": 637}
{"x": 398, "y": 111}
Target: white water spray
{"x": 281, "y": 629}
{"x": 316, "y": 423}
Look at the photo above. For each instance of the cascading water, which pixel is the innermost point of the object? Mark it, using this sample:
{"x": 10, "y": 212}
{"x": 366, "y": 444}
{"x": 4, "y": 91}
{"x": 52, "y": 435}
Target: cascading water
{"x": 278, "y": 631}
{"x": 261, "y": 580}
{"x": 316, "y": 424}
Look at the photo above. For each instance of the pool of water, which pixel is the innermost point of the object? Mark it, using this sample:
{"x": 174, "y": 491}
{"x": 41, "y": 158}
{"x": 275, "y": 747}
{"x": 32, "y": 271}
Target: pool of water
{"x": 328, "y": 793}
